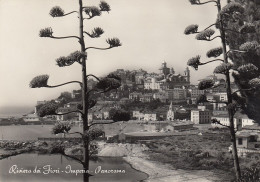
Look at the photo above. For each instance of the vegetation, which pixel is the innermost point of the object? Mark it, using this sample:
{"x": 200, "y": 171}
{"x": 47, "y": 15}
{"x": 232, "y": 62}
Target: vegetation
{"x": 229, "y": 13}
{"x": 88, "y": 98}
{"x": 246, "y": 65}
{"x": 195, "y": 152}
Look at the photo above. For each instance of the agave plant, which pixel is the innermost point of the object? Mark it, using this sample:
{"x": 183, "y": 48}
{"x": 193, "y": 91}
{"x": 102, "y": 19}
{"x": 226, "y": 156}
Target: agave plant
{"x": 215, "y": 52}
{"x": 39, "y": 81}
{"x": 56, "y": 11}
{"x": 191, "y": 29}
{"x": 113, "y": 42}
{"x": 205, "y": 35}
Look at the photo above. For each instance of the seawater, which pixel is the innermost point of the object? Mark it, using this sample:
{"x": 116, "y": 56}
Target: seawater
{"x": 32, "y": 132}
{"x": 50, "y": 168}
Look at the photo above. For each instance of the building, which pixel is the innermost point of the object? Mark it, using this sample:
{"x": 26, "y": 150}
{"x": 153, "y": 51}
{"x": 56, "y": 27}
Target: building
{"x": 135, "y": 96}
{"x": 106, "y": 114}
{"x": 195, "y": 92}
{"x": 204, "y": 106}
{"x": 31, "y": 118}
{"x": 182, "y": 125}
{"x": 149, "y": 117}
{"x": 161, "y": 95}
{"x": 249, "y": 138}
{"x": 66, "y": 117}
{"x": 146, "y": 97}
{"x": 152, "y": 83}
{"x": 76, "y": 94}
{"x": 170, "y": 113}
{"x": 139, "y": 77}
{"x": 176, "y": 94}
{"x": 201, "y": 116}
{"x": 224, "y": 120}
{"x": 138, "y": 115}
{"x": 222, "y": 96}
{"x": 240, "y": 120}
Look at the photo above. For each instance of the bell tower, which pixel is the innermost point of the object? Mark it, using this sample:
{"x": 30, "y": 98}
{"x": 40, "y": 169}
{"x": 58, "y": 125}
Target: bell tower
{"x": 187, "y": 74}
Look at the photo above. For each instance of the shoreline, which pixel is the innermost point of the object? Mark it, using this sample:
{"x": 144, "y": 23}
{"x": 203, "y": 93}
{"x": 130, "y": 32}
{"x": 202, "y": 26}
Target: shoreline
{"x": 134, "y": 155}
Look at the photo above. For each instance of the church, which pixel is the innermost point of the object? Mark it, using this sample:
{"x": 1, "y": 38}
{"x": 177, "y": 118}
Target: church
{"x": 172, "y": 79}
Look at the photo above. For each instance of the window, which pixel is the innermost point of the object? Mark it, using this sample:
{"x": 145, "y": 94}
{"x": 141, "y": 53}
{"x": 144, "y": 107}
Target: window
{"x": 240, "y": 141}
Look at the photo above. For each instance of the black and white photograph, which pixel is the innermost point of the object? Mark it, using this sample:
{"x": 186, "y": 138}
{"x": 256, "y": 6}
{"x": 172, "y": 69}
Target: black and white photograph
{"x": 129, "y": 91}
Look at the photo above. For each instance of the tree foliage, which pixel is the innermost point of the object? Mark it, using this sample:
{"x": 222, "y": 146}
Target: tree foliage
{"x": 247, "y": 64}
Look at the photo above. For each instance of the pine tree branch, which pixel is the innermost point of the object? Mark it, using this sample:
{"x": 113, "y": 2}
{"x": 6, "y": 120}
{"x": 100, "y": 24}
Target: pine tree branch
{"x": 53, "y": 37}
{"x": 64, "y": 84}
{"x": 98, "y": 48}
{"x": 231, "y": 50}
{"x": 103, "y": 123}
{"x": 93, "y": 76}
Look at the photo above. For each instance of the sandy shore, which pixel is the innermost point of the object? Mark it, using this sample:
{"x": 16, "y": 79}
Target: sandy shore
{"x": 158, "y": 172}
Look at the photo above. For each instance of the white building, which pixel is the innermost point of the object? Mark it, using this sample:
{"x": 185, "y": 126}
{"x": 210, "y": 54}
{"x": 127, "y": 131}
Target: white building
{"x": 31, "y": 118}
{"x": 222, "y": 96}
{"x": 240, "y": 121}
{"x": 149, "y": 117}
{"x": 153, "y": 84}
{"x": 170, "y": 113}
{"x": 138, "y": 115}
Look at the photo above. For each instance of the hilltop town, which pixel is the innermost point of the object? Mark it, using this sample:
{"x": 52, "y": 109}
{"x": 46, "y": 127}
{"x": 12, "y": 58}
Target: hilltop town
{"x": 164, "y": 107}
{"x": 152, "y": 98}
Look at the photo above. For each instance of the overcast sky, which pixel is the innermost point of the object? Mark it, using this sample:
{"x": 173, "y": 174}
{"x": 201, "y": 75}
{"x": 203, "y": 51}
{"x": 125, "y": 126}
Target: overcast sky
{"x": 151, "y": 31}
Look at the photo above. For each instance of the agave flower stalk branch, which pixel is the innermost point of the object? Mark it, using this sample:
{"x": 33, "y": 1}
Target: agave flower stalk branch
{"x": 70, "y": 13}
{"x": 88, "y": 34}
{"x": 207, "y": 2}
{"x": 76, "y": 111}
{"x": 213, "y": 38}
{"x": 64, "y": 84}
{"x": 210, "y": 26}
{"x": 66, "y": 37}
{"x": 218, "y": 122}
{"x": 212, "y": 61}
{"x": 98, "y": 48}
{"x": 204, "y": 29}
{"x": 93, "y": 76}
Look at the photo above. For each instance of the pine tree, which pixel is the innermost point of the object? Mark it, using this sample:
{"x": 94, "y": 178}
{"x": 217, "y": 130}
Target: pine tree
{"x": 247, "y": 65}
{"x": 80, "y": 56}
{"x": 231, "y": 12}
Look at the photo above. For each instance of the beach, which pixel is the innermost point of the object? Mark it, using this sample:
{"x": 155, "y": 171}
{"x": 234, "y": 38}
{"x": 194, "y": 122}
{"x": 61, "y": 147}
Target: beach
{"x": 135, "y": 155}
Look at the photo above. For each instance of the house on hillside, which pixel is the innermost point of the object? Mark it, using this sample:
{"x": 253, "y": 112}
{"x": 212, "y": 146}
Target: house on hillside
{"x": 249, "y": 138}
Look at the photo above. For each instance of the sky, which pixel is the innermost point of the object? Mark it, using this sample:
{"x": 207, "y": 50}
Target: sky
{"x": 151, "y": 31}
